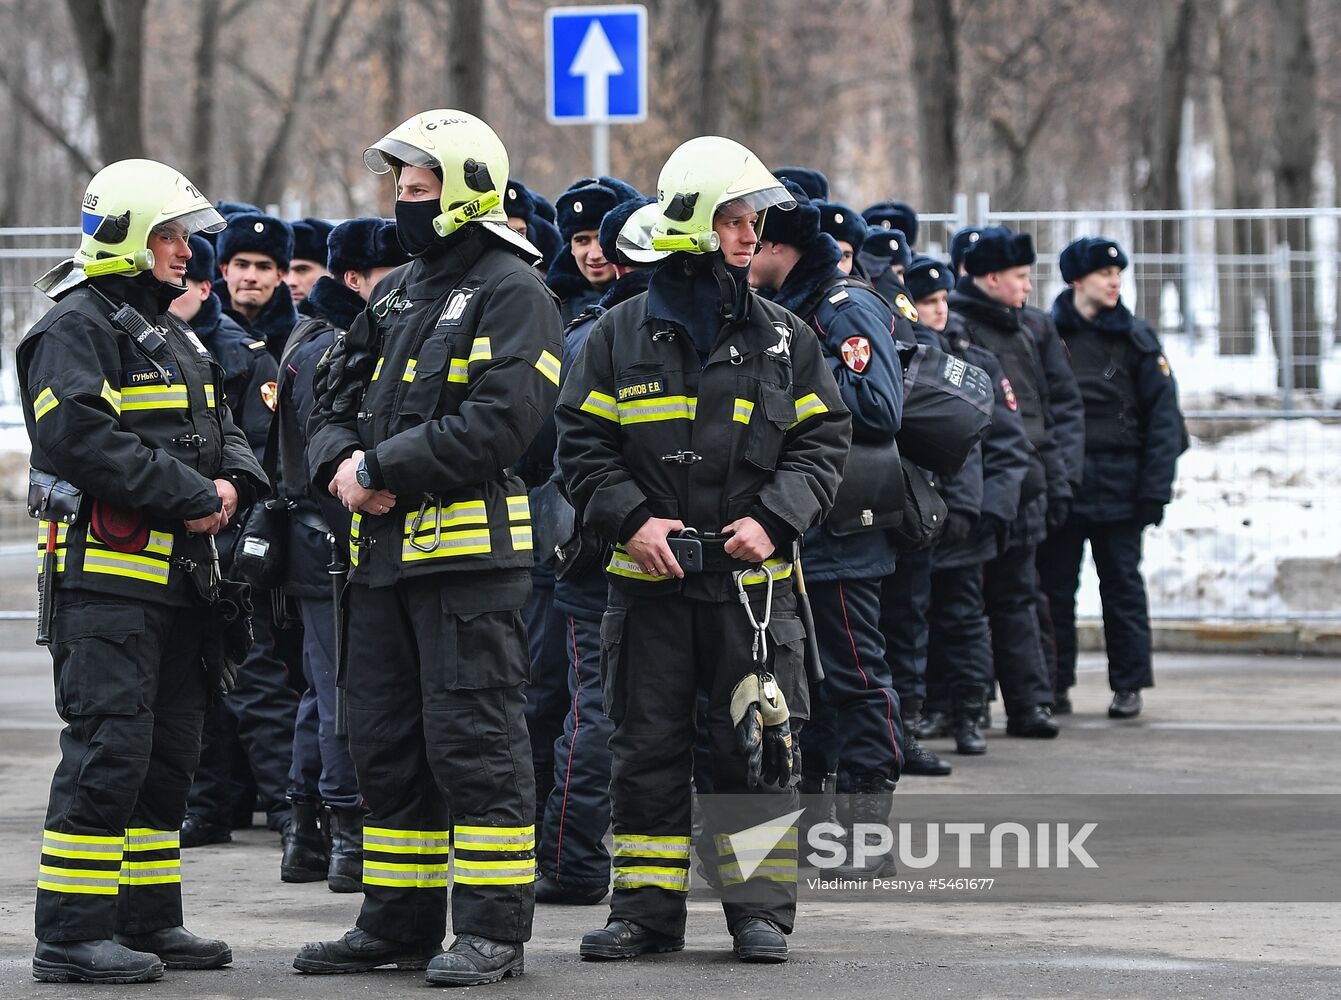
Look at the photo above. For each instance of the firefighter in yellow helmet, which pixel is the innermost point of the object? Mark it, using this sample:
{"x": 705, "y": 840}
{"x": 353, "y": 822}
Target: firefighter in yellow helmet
{"x": 424, "y": 407}
{"x": 700, "y": 434}
{"x": 136, "y": 465}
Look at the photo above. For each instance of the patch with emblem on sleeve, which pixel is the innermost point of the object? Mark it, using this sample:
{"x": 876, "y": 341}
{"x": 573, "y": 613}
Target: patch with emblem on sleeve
{"x": 1164, "y": 366}
{"x": 904, "y": 305}
{"x": 1011, "y": 402}
{"x": 856, "y": 352}
{"x": 269, "y": 396}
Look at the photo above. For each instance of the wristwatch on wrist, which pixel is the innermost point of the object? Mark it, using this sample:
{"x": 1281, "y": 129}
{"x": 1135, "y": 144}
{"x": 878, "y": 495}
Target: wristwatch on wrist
{"x": 363, "y": 475}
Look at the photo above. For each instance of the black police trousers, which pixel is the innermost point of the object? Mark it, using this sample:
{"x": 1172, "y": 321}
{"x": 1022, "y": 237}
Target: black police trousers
{"x": 130, "y": 686}
{"x": 959, "y": 654}
{"x": 904, "y": 597}
{"x": 322, "y": 769}
{"x": 1116, "y": 546}
{"x": 437, "y": 731}
{"x": 547, "y": 689}
{"x": 1010, "y": 591}
{"x": 265, "y": 706}
{"x": 657, "y": 652}
{"x": 867, "y": 723}
{"x": 572, "y": 837}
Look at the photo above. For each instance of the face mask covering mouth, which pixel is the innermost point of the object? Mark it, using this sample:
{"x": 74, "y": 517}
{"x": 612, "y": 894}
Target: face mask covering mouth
{"x": 414, "y": 226}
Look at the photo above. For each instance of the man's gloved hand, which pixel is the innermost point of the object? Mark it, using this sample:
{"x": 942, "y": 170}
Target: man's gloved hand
{"x": 958, "y": 527}
{"x": 764, "y": 733}
{"x": 1059, "y": 509}
{"x": 227, "y": 679}
{"x": 1149, "y": 512}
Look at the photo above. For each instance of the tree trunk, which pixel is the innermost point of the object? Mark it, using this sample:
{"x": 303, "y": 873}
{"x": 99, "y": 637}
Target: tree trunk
{"x": 1295, "y": 79}
{"x": 936, "y": 76}
{"x": 392, "y": 46}
{"x": 468, "y": 63}
{"x": 202, "y": 111}
{"x": 111, "y": 47}
{"x": 1157, "y": 183}
{"x": 709, "y": 17}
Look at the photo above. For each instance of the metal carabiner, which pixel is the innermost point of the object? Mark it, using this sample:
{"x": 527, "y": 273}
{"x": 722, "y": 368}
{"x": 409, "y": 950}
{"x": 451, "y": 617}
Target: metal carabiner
{"x": 418, "y": 521}
{"x": 760, "y": 648}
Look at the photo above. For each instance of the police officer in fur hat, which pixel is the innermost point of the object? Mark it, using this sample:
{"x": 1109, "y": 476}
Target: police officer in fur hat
{"x": 580, "y": 273}
{"x": 254, "y": 253}
{"x": 309, "y": 258}
{"x": 847, "y": 228}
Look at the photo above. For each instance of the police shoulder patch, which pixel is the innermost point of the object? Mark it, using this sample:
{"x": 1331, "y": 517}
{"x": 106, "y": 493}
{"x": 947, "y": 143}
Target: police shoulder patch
{"x": 856, "y": 353}
{"x": 1011, "y": 403}
{"x": 269, "y": 396}
{"x": 257, "y": 345}
{"x": 904, "y": 305}
{"x": 1164, "y": 366}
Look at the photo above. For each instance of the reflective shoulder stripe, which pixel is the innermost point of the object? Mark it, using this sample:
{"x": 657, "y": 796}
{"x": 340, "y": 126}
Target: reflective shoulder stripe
{"x": 744, "y": 409}
{"x": 548, "y": 365}
{"x": 480, "y": 350}
{"x": 112, "y": 396}
{"x": 809, "y": 406}
{"x": 601, "y": 405}
{"x": 45, "y": 402}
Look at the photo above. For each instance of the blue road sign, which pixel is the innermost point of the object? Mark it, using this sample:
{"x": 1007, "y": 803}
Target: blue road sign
{"x": 596, "y": 64}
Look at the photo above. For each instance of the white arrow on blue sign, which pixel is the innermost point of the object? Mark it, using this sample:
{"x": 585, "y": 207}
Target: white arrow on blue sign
{"x": 596, "y": 64}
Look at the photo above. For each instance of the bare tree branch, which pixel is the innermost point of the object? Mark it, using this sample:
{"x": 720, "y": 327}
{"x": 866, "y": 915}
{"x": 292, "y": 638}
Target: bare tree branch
{"x": 48, "y": 125}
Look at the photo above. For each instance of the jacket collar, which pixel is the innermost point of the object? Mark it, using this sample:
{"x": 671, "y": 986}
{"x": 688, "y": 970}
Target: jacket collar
{"x": 335, "y": 303}
{"x": 818, "y": 265}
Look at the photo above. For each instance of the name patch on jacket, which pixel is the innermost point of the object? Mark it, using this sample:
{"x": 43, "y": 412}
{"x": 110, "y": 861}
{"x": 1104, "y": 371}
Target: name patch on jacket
{"x": 148, "y": 376}
{"x": 456, "y": 307}
{"x": 637, "y": 390}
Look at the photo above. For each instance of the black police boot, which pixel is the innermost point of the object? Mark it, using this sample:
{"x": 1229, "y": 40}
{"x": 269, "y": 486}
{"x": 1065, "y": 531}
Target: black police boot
{"x": 819, "y": 787}
{"x": 932, "y": 724}
{"x": 93, "y": 962}
{"x": 178, "y": 948}
{"x": 1126, "y": 704}
{"x": 917, "y": 759}
{"x": 305, "y": 858}
{"x": 473, "y": 961}
{"x": 625, "y": 939}
{"x": 344, "y": 873}
{"x": 359, "y": 951}
{"x": 1061, "y": 702}
{"x": 969, "y": 739}
{"x": 869, "y": 802}
{"x": 1034, "y": 722}
{"x": 551, "y": 890}
{"x": 759, "y": 940}
{"x": 197, "y": 831}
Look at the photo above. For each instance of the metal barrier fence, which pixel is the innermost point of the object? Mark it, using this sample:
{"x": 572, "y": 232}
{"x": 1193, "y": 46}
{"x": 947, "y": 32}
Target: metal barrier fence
{"x": 1245, "y": 303}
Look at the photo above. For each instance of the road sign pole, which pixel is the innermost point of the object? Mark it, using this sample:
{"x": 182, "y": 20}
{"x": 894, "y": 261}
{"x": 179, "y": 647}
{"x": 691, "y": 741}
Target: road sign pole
{"x": 600, "y": 149}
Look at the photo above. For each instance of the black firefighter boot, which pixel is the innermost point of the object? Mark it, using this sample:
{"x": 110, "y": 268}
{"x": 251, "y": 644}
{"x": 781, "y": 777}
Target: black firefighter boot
{"x": 345, "y": 872}
{"x": 100, "y": 961}
{"x": 359, "y": 951}
{"x": 178, "y": 948}
{"x": 870, "y": 802}
{"x": 473, "y": 961}
{"x": 304, "y": 857}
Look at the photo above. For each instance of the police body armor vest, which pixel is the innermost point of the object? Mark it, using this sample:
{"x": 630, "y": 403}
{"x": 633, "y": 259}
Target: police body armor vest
{"x": 1103, "y": 364}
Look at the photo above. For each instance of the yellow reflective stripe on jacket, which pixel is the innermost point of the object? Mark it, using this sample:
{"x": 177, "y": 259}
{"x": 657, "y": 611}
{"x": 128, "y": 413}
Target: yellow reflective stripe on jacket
{"x": 548, "y": 365}
{"x": 480, "y": 350}
{"x": 494, "y": 838}
{"x": 209, "y": 395}
{"x": 458, "y": 370}
{"x": 643, "y": 876}
{"x": 408, "y": 374}
{"x": 354, "y": 538}
{"x": 154, "y": 397}
{"x": 519, "y": 508}
{"x": 386, "y": 840}
{"x": 131, "y": 565}
{"x": 744, "y": 409}
{"x": 623, "y": 564}
{"x": 468, "y": 871}
{"x": 45, "y": 402}
{"x": 807, "y": 407}
{"x": 62, "y": 533}
{"x": 646, "y": 411}
{"x": 601, "y": 405}
{"x": 463, "y": 515}
{"x": 111, "y": 396}
{"x": 377, "y": 369}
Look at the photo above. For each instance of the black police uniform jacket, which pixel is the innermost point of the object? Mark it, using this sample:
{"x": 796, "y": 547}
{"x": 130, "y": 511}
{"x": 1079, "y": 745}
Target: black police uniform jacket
{"x": 1001, "y": 330}
{"x": 646, "y": 428}
{"x": 250, "y": 372}
{"x": 467, "y": 344}
{"x": 1134, "y": 429}
{"x": 857, "y": 332}
{"x": 145, "y": 451}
